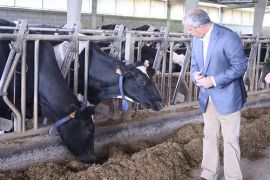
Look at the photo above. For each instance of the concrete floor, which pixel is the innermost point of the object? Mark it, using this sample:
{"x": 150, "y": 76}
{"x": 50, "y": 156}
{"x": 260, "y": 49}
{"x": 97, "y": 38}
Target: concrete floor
{"x": 257, "y": 169}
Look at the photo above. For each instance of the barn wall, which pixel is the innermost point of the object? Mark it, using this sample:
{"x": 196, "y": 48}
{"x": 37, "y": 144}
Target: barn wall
{"x": 59, "y": 18}
{"x": 243, "y": 29}
{"x": 33, "y": 16}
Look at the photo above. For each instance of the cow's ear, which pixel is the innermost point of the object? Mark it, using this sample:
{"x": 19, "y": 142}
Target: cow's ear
{"x": 129, "y": 73}
{"x": 90, "y": 110}
{"x": 138, "y": 63}
{"x": 74, "y": 107}
{"x": 150, "y": 71}
{"x": 118, "y": 71}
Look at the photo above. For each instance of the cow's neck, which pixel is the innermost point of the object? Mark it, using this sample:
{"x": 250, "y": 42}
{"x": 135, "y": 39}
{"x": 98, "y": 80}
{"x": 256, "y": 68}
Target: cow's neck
{"x": 56, "y": 98}
{"x": 108, "y": 93}
{"x": 109, "y": 83}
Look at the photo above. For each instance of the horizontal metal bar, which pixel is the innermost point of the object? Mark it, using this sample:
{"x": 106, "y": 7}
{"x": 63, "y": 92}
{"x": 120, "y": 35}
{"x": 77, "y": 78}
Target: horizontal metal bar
{"x": 66, "y": 37}
{"x": 9, "y": 28}
{"x": 148, "y": 38}
{"x": 93, "y": 31}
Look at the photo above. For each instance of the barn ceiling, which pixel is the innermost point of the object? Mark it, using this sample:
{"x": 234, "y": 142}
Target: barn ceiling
{"x": 235, "y": 4}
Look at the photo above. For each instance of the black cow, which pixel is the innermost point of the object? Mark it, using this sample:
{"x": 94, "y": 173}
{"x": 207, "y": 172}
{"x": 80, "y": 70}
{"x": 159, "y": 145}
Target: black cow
{"x": 56, "y": 99}
{"x": 107, "y": 27}
{"x": 148, "y": 28}
{"x": 103, "y": 80}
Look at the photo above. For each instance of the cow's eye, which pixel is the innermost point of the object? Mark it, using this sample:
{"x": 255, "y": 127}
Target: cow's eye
{"x": 142, "y": 82}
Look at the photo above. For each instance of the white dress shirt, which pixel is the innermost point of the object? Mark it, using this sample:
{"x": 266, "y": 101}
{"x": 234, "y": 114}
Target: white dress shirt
{"x": 205, "y": 41}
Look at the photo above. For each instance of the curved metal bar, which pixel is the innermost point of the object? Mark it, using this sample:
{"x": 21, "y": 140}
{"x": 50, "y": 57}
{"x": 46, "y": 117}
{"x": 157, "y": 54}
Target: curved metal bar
{"x": 181, "y": 74}
{"x": 17, "y": 123}
{"x": 6, "y": 70}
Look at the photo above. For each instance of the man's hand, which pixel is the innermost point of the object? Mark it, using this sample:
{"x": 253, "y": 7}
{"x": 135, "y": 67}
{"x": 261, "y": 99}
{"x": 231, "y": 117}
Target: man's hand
{"x": 197, "y": 77}
{"x": 267, "y": 78}
{"x": 206, "y": 82}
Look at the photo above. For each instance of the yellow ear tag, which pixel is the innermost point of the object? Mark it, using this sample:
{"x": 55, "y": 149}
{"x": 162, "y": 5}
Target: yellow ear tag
{"x": 73, "y": 114}
{"x": 118, "y": 71}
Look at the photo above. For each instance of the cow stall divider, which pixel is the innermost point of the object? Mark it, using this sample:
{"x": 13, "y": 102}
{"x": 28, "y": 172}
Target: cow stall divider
{"x": 9, "y": 70}
{"x": 256, "y": 49}
{"x": 164, "y": 42}
{"x": 96, "y": 35}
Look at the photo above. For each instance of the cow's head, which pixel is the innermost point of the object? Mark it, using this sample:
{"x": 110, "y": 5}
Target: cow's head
{"x": 139, "y": 86}
{"x": 78, "y": 134}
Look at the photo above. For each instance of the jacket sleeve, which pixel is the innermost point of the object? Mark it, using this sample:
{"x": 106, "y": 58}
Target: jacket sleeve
{"x": 233, "y": 50}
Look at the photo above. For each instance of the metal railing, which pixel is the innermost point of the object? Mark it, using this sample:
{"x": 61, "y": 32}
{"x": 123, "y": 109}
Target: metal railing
{"x": 19, "y": 40}
{"x": 172, "y": 85}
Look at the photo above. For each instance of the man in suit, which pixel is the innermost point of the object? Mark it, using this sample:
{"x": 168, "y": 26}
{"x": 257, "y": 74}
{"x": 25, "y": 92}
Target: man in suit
{"x": 217, "y": 68}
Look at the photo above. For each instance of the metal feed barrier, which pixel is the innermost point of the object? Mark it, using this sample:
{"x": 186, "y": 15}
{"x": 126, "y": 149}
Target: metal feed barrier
{"x": 172, "y": 85}
{"x": 19, "y": 46}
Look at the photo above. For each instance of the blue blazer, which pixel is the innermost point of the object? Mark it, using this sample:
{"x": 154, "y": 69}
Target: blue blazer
{"x": 226, "y": 62}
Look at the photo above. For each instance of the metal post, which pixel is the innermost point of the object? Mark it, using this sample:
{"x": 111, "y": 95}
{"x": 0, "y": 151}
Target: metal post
{"x": 23, "y": 86}
{"x": 170, "y": 73}
{"x": 251, "y": 59}
{"x": 139, "y": 51}
{"x": 129, "y": 48}
{"x": 76, "y": 69}
{"x": 258, "y": 16}
{"x": 73, "y": 12}
{"x": 116, "y": 45}
{"x": 86, "y": 63}
{"x": 36, "y": 70}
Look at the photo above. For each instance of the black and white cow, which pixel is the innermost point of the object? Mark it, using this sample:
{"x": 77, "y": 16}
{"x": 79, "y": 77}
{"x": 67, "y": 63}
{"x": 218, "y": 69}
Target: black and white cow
{"x": 149, "y": 50}
{"x": 103, "y": 79}
{"x": 148, "y": 28}
{"x": 265, "y": 69}
{"x": 149, "y": 53}
{"x": 56, "y": 100}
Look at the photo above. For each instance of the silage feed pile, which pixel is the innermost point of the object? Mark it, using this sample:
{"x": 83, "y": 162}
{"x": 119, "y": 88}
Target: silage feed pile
{"x": 175, "y": 158}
